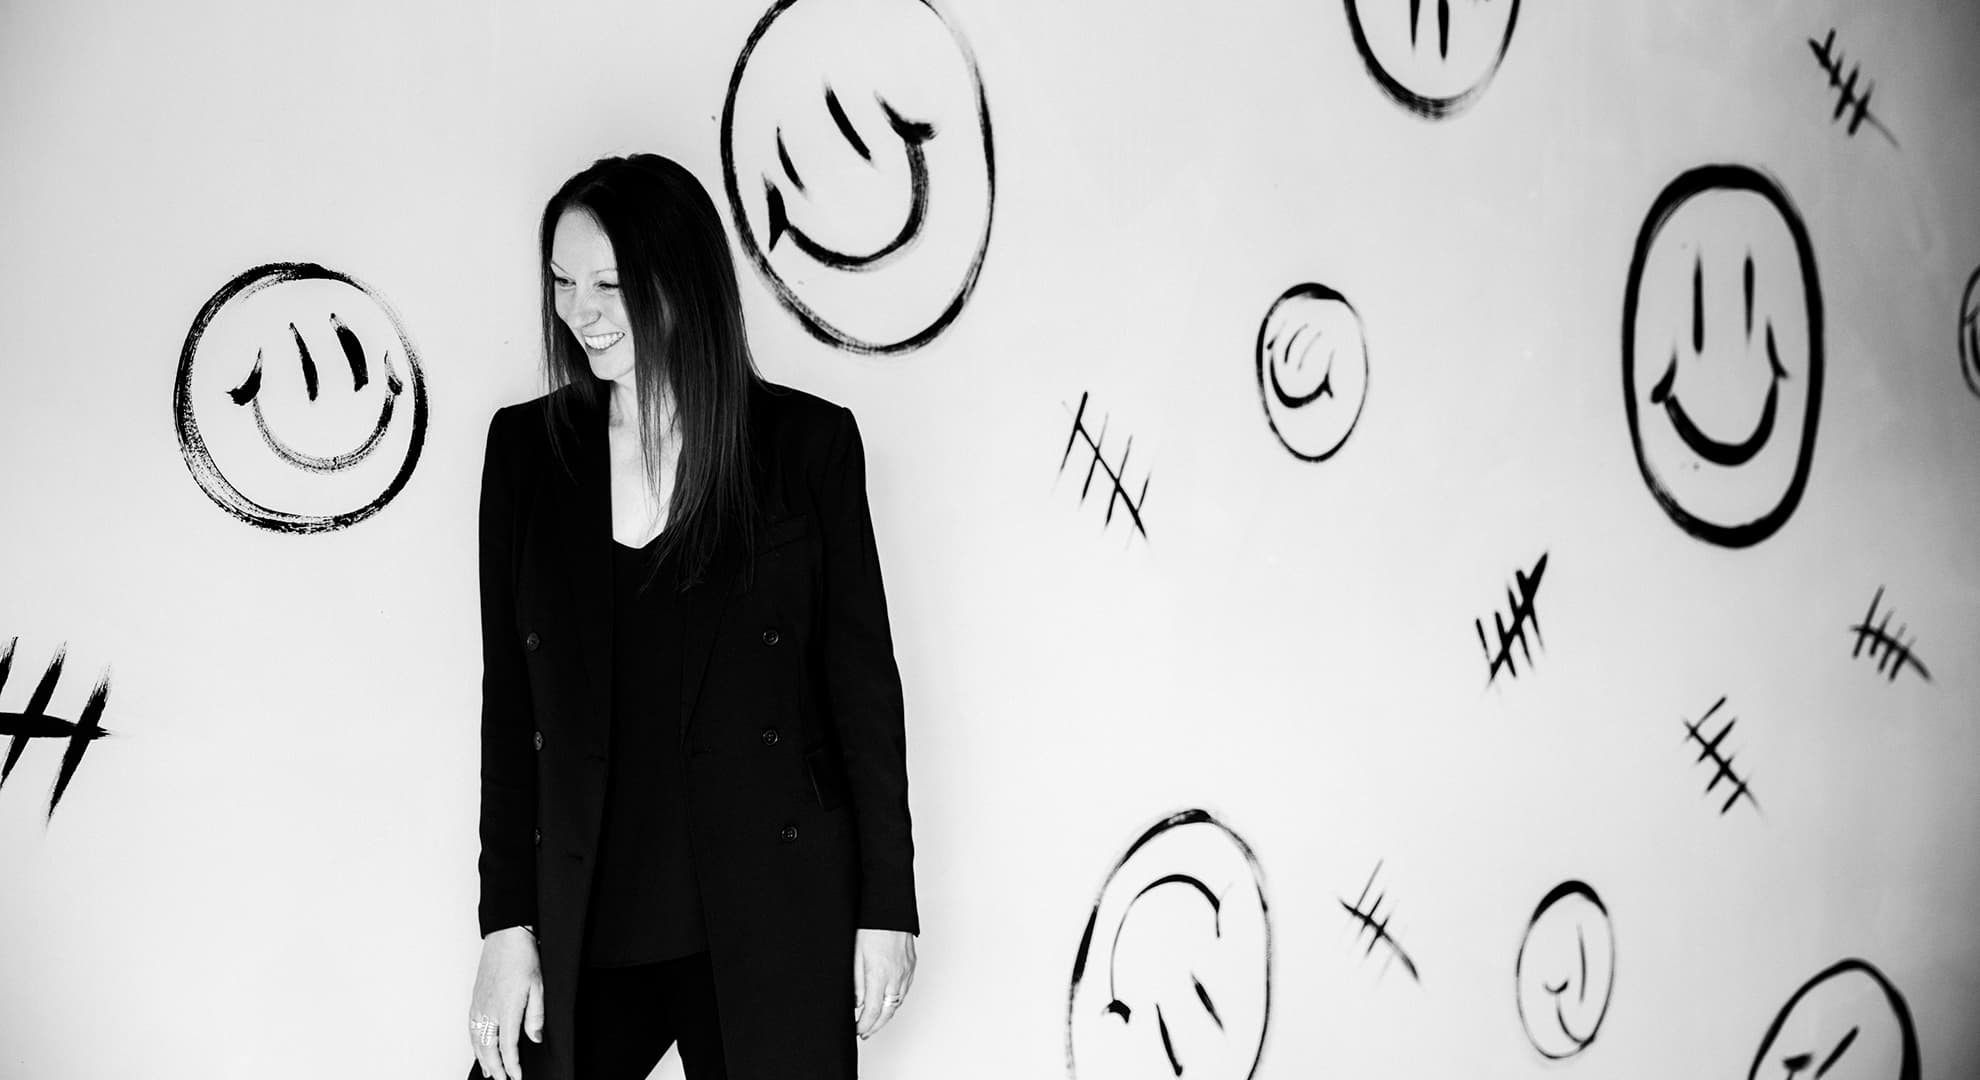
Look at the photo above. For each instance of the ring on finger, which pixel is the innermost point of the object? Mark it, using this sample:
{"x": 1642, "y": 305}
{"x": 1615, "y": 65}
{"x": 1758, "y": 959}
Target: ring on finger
{"x": 485, "y": 1030}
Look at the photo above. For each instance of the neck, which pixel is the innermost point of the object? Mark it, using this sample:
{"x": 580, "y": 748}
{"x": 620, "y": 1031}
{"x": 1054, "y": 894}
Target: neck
{"x": 623, "y": 406}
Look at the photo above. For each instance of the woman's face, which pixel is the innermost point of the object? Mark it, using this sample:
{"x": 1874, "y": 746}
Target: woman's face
{"x": 585, "y": 280}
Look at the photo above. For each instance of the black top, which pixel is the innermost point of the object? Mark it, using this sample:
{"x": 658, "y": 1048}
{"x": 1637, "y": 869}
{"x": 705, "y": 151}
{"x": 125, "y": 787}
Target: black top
{"x": 645, "y": 906}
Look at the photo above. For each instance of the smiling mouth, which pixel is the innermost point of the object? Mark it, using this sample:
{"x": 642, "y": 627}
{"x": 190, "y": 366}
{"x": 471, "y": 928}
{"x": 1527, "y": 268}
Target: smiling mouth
{"x": 249, "y": 392}
{"x": 1325, "y": 389}
{"x": 601, "y": 342}
{"x": 1712, "y": 450}
{"x": 912, "y": 134}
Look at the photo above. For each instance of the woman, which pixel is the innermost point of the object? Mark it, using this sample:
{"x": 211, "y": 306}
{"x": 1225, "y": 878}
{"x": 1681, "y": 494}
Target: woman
{"x": 694, "y": 820}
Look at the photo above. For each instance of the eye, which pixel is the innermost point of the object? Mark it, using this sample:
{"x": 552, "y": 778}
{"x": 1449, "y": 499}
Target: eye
{"x": 560, "y": 281}
{"x": 612, "y": 286}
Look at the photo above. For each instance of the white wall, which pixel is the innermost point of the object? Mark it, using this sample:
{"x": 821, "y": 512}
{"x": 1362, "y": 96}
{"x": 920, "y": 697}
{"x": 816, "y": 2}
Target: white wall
{"x": 269, "y": 864}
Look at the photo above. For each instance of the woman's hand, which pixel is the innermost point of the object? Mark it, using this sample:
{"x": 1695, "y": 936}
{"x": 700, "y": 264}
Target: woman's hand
{"x": 883, "y": 969}
{"x": 508, "y": 989}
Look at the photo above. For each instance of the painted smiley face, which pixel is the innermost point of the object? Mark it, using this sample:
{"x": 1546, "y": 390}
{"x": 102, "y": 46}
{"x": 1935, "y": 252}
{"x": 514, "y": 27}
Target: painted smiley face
{"x": 1722, "y": 354}
{"x": 1846, "y": 1023}
{"x": 1566, "y": 970}
{"x": 299, "y": 401}
{"x": 1312, "y": 370}
{"x": 1434, "y": 57}
{"x": 857, "y": 157}
{"x": 1173, "y": 972}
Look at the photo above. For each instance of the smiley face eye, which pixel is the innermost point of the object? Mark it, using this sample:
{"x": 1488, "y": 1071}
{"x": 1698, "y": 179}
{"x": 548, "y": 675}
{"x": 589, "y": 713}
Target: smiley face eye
{"x": 1834, "y": 1055}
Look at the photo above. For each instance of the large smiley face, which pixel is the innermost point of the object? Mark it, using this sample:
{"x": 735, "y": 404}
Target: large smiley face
{"x": 299, "y": 401}
{"x": 1434, "y": 58}
{"x": 1565, "y": 971}
{"x": 1173, "y": 974}
{"x": 1722, "y": 354}
{"x": 1846, "y": 1023}
{"x": 857, "y": 157}
{"x": 1312, "y": 370}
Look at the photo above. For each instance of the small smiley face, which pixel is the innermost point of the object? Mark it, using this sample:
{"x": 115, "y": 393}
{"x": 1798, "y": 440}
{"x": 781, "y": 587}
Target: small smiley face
{"x": 1173, "y": 972}
{"x": 857, "y": 157}
{"x": 1847, "y": 1023}
{"x": 1434, "y": 57}
{"x": 1565, "y": 971}
{"x": 1722, "y": 354}
{"x": 1312, "y": 370}
{"x": 299, "y": 401}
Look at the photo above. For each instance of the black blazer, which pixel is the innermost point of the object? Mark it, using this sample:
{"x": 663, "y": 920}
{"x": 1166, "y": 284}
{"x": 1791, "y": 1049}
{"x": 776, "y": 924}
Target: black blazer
{"x": 791, "y": 707}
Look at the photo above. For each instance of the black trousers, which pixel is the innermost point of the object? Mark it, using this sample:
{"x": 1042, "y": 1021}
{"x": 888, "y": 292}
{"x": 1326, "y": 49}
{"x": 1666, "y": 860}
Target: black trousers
{"x": 627, "y": 1017}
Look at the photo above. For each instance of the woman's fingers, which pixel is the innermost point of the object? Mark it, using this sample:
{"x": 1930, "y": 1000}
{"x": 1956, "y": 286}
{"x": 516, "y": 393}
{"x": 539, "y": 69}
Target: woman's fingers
{"x": 486, "y": 1055}
{"x": 533, "y": 1011}
{"x": 511, "y": 1031}
{"x": 889, "y": 1002}
{"x": 867, "y": 999}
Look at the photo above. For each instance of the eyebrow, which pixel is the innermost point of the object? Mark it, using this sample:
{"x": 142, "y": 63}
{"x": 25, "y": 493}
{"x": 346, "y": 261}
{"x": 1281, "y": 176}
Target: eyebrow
{"x": 601, "y": 270}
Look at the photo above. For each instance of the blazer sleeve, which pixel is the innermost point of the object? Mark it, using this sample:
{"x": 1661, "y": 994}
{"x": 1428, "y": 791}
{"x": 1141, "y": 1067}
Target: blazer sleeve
{"x": 863, "y": 686}
{"x": 508, "y": 767}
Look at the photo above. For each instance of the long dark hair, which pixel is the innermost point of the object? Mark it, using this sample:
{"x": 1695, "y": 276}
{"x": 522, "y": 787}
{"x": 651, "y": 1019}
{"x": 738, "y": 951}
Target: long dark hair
{"x": 679, "y": 285}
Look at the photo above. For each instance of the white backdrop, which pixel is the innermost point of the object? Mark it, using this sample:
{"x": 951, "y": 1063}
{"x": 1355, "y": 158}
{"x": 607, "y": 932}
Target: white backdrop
{"x": 268, "y": 865}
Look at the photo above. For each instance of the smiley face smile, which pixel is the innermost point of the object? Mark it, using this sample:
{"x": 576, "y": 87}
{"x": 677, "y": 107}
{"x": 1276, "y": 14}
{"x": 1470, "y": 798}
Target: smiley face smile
{"x": 1712, "y": 450}
{"x": 1325, "y": 389}
{"x": 249, "y": 393}
{"x": 911, "y": 134}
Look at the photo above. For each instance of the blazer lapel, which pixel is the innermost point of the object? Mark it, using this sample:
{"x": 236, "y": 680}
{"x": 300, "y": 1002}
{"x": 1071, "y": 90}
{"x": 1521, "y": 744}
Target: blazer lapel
{"x": 703, "y": 606}
{"x": 588, "y": 534}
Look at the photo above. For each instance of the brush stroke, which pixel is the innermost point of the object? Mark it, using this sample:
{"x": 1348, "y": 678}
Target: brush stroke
{"x": 1098, "y": 465}
{"x": 795, "y": 290}
{"x": 1708, "y": 749}
{"x": 198, "y": 454}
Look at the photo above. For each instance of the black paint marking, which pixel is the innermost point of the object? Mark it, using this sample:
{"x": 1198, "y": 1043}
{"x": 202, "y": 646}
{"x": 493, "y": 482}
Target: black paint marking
{"x": 1769, "y": 1061}
{"x": 1370, "y": 918}
{"x": 1708, "y": 749}
{"x": 1168, "y": 1046}
{"x": 1969, "y": 332}
{"x": 1395, "y": 80}
{"x": 796, "y": 291}
{"x": 1115, "y": 1005}
{"x": 1193, "y": 865}
{"x": 35, "y": 722}
{"x": 1520, "y": 599}
{"x": 1889, "y": 648}
{"x": 1722, "y": 453}
{"x": 1697, "y": 309}
{"x": 1667, "y": 480}
{"x": 845, "y": 125}
{"x": 1561, "y": 1037}
{"x": 784, "y": 159}
{"x": 1848, "y": 101}
{"x": 353, "y": 353}
{"x": 912, "y": 136}
{"x": 1746, "y": 277}
{"x": 1837, "y": 1053}
{"x": 1209, "y": 1006}
{"x": 199, "y": 456}
{"x": 1114, "y": 473}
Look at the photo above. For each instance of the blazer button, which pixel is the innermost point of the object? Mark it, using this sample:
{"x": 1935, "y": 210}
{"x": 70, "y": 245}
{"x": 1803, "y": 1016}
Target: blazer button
{"x": 539, "y": 740}
{"x": 788, "y": 834}
{"x": 532, "y": 641}
{"x": 539, "y": 838}
{"x": 770, "y": 636}
{"x": 770, "y": 736}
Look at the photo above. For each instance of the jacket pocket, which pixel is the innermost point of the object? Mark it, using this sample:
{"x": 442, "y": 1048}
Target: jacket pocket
{"x": 827, "y": 775}
{"x": 779, "y": 534}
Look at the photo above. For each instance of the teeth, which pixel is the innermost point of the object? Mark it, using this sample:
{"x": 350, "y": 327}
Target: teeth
{"x": 603, "y": 341}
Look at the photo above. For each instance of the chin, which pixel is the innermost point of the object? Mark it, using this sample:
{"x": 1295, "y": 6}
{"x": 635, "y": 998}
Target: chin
{"x": 610, "y": 367}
